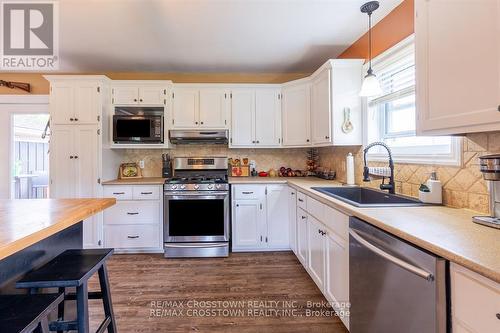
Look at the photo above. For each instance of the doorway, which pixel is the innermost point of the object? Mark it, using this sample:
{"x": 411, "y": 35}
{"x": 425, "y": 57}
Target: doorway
{"x": 30, "y": 159}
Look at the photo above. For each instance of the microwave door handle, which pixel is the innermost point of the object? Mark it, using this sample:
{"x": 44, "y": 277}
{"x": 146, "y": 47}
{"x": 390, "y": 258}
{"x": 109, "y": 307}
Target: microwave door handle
{"x": 398, "y": 262}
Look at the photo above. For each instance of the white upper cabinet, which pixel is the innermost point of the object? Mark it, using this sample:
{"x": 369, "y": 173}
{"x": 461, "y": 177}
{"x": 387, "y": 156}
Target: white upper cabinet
{"x": 256, "y": 117}
{"x": 321, "y": 108}
{"x": 213, "y": 112}
{"x": 138, "y": 94}
{"x": 458, "y": 66}
{"x": 75, "y": 102}
{"x": 268, "y": 117}
{"x": 242, "y": 118}
{"x": 185, "y": 107}
{"x": 335, "y": 103}
{"x": 296, "y": 114}
{"x": 199, "y": 107}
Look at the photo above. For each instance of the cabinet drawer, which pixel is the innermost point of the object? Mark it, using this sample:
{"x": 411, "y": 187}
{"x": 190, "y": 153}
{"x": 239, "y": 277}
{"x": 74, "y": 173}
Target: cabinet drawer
{"x": 301, "y": 200}
{"x": 117, "y": 191}
{"x": 132, "y": 236}
{"x": 146, "y": 192}
{"x": 130, "y": 212}
{"x": 315, "y": 208}
{"x": 475, "y": 300}
{"x": 249, "y": 192}
{"x": 337, "y": 222}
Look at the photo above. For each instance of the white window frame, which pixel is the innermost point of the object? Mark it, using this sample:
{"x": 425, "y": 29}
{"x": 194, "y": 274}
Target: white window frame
{"x": 417, "y": 155}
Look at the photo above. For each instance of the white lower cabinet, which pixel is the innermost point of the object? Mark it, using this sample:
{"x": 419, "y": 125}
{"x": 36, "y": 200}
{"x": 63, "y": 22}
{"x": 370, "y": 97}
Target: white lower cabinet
{"x": 302, "y": 236}
{"x": 316, "y": 251}
{"x": 292, "y": 218}
{"x": 323, "y": 249}
{"x": 475, "y": 302}
{"x": 135, "y": 223}
{"x": 260, "y": 217}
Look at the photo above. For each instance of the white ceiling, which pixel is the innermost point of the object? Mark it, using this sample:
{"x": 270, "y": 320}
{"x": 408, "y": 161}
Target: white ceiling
{"x": 208, "y": 35}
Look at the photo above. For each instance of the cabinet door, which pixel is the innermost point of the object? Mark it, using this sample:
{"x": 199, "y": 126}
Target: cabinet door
{"x": 185, "y": 108}
{"x": 268, "y": 117}
{"x": 316, "y": 251}
{"x": 62, "y": 163}
{"x": 337, "y": 275}
{"x": 243, "y": 118}
{"x": 321, "y": 120}
{"x": 458, "y": 91}
{"x": 87, "y": 166}
{"x": 61, "y": 106}
{"x": 248, "y": 216}
{"x": 86, "y": 102}
{"x": 277, "y": 217}
{"x": 125, "y": 95}
{"x": 213, "y": 108}
{"x": 296, "y": 115}
{"x": 152, "y": 95}
{"x": 292, "y": 215}
{"x": 302, "y": 236}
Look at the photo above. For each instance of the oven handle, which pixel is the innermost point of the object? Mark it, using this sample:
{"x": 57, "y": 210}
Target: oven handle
{"x": 403, "y": 264}
{"x": 191, "y": 245}
{"x": 195, "y": 194}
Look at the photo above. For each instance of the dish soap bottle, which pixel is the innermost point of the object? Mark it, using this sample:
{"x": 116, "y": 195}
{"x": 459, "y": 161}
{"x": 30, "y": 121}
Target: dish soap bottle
{"x": 431, "y": 191}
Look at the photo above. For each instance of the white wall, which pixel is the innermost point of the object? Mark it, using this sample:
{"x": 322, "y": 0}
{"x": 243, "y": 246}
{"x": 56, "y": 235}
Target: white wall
{"x": 9, "y": 105}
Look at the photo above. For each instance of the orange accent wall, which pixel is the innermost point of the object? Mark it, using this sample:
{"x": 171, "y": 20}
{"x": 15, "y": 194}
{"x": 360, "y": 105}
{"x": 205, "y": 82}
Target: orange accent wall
{"x": 392, "y": 29}
{"x": 40, "y": 86}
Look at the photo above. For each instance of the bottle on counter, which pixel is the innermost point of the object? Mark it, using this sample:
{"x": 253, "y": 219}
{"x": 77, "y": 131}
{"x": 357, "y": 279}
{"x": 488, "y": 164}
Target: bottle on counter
{"x": 431, "y": 191}
{"x": 350, "y": 169}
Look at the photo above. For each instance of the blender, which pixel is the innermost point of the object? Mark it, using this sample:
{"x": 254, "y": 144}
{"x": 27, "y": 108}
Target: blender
{"x": 490, "y": 167}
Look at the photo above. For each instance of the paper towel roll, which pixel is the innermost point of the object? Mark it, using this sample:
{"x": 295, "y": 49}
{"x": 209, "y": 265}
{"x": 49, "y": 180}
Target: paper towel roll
{"x": 350, "y": 169}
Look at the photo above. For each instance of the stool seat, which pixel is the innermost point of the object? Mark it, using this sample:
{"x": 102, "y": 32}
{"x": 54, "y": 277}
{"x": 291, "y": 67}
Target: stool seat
{"x": 69, "y": 269}
{"x": 24, "y": 313}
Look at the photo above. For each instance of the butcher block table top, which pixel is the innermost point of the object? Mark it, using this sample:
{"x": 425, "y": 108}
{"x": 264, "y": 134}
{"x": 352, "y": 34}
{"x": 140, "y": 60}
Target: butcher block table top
{"x": 26, "y": 222}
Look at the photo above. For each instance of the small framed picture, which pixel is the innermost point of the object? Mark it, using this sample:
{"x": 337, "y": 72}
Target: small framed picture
{"x": 129, "y": 170}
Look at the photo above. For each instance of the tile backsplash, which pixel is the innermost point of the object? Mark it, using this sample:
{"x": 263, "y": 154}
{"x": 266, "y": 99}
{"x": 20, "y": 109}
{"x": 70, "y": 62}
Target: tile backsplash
{"x": 463, "y": 187}
{"x": 266, "y": 159}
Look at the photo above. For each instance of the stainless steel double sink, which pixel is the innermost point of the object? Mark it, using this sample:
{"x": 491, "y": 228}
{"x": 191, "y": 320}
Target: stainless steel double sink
{"x": 368, "y": 197}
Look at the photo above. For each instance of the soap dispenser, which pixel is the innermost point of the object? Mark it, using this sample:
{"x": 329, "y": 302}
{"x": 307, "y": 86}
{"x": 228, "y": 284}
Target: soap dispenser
{"x": 431, "y": 191}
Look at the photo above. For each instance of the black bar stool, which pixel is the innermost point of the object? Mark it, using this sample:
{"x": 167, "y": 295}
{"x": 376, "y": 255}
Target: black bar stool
{"x": 73, "y": 268}
{"x": 27, "y": 313}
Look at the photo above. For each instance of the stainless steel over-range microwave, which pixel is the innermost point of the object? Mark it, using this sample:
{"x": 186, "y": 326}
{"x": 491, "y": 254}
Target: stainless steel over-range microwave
{"x": 138, "y": 125}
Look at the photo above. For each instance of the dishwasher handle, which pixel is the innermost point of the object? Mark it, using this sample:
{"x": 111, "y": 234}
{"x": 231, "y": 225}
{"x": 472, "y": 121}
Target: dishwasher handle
{"x": 403, "y": 264}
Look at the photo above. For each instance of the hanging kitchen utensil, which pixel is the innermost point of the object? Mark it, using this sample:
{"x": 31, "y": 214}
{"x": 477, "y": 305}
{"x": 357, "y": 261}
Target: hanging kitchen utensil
{"x": 347, "y": 126}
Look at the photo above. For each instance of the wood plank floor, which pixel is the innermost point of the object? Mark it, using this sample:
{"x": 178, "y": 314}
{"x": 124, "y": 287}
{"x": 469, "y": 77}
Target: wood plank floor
{"x": 275, "y": 277}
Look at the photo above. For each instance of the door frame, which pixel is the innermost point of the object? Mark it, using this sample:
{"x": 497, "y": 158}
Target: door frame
{"x": 11, "y": 105}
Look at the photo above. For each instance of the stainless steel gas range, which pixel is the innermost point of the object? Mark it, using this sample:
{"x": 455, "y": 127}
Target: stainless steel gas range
{"x": 196, "y": 208}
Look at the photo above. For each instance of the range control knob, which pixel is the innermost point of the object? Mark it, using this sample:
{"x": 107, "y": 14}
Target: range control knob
{"x": 183, "y": 186}
{"x": 217, "y": 186}
{"x": 210, "y": 186}
{"x": 173, "y": 187}
{"x": 196, "y": 186}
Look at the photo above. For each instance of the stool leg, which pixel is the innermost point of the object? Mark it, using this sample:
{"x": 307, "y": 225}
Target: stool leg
{"x": 60, "y": 308}
{"x": 106, "y": 298}
{"x": 82, "y": 308}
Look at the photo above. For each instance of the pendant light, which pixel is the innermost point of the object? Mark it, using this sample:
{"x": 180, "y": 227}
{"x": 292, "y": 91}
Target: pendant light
{"x": 371, "y": 85}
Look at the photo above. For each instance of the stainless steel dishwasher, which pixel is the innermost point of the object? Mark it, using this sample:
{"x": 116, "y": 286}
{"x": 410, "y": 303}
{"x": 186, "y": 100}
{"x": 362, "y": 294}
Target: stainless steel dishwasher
{"x": 394, "y": 287}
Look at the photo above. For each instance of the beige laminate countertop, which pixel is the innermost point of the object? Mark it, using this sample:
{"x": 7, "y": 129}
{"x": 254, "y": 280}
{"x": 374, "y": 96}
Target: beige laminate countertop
{"x": 257, "y": 180}
{"x": 136, "y": 181}
{"x": 26, "y": 222}
{"x": 447, "y": 232}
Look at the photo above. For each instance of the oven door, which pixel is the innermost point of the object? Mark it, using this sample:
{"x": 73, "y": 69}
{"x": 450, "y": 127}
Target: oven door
{"x": 133, "y": 129}
{"x": 196, "y": 217}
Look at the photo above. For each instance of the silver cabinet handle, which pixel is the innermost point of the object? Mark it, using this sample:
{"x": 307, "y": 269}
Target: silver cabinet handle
{"x": 403, "y": 264}
{"x": 135, "y": 213}
{"x": 304, "y": 217}
{"x": 300, "y": 200}
{"x": 132, "y": 237}
{"x": 118, "y": 193}
{"x": 247, "y": 192}
{"x": 146, "y": 192}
